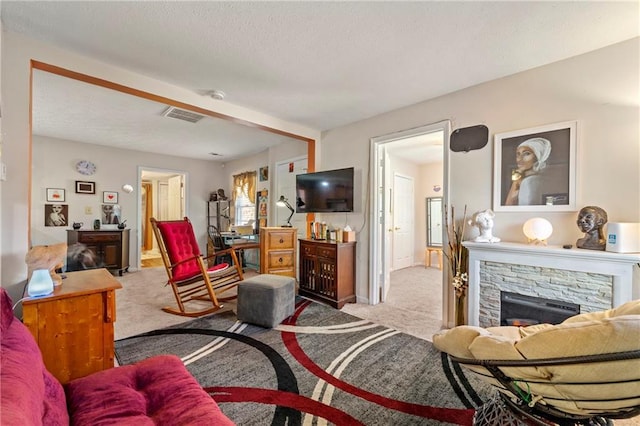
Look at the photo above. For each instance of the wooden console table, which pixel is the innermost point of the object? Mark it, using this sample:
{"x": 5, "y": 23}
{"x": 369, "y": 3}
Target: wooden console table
{"x": 328, "y": 271}
{"x": 110, "y": 248}
{"x": 74, "y": 326}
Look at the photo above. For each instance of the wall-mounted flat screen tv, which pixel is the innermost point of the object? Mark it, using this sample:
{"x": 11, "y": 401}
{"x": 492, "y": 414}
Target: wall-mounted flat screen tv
{"x": 325, "y": 192}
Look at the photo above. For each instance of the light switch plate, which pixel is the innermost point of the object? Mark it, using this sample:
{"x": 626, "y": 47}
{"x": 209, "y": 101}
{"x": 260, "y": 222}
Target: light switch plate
{"x": 88, "y": 210}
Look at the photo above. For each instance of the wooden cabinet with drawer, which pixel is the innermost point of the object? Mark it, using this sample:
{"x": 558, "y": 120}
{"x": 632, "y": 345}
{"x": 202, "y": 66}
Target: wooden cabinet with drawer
{"x": 278, "y": 251}
{"x": 74, "y": 326}
{"x": 327, "y": 271}
{"x": 105, "y": 249}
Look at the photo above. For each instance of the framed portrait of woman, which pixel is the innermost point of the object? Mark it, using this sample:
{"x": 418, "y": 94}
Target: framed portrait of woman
{"x": 535, "y": 169}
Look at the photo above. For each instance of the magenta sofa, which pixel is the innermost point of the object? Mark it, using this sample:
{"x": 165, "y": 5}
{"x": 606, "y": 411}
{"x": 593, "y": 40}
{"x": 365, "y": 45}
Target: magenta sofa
{"x": 158, "y": 390}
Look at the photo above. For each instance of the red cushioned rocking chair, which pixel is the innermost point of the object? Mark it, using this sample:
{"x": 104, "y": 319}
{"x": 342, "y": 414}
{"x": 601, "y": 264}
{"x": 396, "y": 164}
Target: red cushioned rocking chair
{"x": 190, "y": 279}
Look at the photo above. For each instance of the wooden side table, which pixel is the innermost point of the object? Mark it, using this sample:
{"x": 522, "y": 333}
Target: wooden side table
{"x": 328, "y": 271}
{"x": 74, "y": 326}
{"x": 427, "y": 253}
{"x": 278, "y": 251}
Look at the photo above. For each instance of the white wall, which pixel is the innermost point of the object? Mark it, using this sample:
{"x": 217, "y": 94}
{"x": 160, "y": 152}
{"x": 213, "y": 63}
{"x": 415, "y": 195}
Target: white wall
{"x": 17, "y": 53}
{"x": 54, "y": 167}
{"x": 599, "y": 89}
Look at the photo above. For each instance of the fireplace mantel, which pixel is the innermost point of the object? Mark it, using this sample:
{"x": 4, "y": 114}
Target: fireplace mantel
{"x": 622, "y": 267}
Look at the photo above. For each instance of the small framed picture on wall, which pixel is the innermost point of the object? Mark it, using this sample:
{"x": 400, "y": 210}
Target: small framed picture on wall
{"x": 56, "y": 214}
{"x": 55, "y": 195}
{"x": 111, "y": 214}
{"x": 264, "y": 173}
{"x": 109, "y": 197}
{"x": 84, "y": 187}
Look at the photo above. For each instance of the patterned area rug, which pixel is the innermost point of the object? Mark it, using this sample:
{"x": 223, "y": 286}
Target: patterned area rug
{"x": 320, "y": 366}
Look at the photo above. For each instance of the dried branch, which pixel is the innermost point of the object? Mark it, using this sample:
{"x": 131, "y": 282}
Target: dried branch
{"x": 456, "y": 254}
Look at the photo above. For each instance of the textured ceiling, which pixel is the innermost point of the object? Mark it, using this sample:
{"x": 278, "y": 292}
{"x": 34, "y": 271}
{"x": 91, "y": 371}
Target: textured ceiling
{"x": 72, "y": 110}
{"x": 325, "y": 64}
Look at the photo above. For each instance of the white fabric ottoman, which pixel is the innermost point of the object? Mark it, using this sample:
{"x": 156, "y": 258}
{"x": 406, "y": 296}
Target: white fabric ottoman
{"x": 266, "y": 300}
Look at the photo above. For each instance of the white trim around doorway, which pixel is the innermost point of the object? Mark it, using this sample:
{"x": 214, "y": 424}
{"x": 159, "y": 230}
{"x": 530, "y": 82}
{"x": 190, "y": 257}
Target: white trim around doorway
{"x": 377, "y": 248}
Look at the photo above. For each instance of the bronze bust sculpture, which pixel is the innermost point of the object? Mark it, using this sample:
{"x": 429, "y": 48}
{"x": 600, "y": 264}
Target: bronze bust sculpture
{"x": 591, "y": 220}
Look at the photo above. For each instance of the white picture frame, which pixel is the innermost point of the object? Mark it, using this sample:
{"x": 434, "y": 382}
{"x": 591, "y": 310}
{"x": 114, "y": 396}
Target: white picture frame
{"x": 553, "y": 186}
{"x": 109, "y": 197}
{"x": 55, "y": 195}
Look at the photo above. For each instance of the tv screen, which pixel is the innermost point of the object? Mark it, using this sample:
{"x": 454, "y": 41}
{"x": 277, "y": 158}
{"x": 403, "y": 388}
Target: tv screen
{"x": 325, "y": 192}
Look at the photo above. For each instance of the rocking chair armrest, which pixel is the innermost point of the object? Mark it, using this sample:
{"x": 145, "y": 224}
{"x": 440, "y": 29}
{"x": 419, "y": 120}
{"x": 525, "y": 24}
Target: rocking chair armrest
{"x": 189, "y": 259}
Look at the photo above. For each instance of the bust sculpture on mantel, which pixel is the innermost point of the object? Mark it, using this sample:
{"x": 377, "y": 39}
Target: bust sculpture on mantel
{"x": 484, "y": 221}
{"x": 591, "y": 220}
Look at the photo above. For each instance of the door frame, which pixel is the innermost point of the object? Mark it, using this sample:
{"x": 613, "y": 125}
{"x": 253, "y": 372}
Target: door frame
{"x": 185, "y": 203}
{"x": 378, "y": 196}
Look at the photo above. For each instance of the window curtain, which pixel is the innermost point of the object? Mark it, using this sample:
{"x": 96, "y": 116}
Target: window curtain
{"x": 244, "y": 184}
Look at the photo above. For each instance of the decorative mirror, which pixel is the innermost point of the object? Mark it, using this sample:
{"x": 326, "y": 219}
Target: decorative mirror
{"x": 434, "y": 221}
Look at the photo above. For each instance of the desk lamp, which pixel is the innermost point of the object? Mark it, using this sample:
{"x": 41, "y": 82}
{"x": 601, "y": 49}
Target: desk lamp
{"x": 283, "y": 202}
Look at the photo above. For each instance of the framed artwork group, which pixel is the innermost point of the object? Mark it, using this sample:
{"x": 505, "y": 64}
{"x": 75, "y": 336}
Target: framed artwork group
{"x": 57, "y": 214}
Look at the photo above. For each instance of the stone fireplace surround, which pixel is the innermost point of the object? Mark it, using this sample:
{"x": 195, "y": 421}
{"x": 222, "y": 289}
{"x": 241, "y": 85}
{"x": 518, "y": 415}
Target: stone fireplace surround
{"x": 596, "y": 280}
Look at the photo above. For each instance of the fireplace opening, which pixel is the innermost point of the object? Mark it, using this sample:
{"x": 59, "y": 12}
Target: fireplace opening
{"x": 520, "y": 310}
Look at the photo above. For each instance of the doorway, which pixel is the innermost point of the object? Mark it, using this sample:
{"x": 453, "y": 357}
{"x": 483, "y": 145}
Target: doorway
{"x": 419, "y": 153}
{"x": 162, "y": 196}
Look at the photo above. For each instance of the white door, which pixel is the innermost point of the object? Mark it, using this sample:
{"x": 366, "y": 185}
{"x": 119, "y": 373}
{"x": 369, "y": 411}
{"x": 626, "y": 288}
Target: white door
{"x": 175, "y": 199}
{"x": 403, "y": 221}
{"x": 286, "y": 172}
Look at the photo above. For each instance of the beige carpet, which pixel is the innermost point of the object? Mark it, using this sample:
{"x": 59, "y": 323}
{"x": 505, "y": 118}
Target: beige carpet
{"x": 140, "y": 301}
{"x": 413, "y": 304}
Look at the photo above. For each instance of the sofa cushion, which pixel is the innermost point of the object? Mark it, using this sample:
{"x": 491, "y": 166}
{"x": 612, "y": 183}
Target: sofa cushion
{"x": 29, "y": 394}
{"x": 157, "y": 390}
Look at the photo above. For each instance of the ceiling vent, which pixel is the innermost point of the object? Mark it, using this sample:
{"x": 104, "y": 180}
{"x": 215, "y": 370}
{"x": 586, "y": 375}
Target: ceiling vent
{"x": 182, "y": 114}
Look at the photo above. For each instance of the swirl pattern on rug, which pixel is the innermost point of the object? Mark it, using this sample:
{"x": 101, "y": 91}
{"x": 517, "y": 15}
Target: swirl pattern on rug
{"x": 320, "y": 366}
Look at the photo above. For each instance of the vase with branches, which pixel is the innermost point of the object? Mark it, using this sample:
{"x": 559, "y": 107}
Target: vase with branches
{"x": 456, "y": 255}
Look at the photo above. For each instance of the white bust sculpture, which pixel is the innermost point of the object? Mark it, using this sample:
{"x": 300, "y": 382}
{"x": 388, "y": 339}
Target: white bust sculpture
{"x": 484, "y": 221}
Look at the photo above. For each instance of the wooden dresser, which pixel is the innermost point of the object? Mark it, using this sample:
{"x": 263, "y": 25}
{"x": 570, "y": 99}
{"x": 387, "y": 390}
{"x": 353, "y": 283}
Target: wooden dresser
{"x": 74, "y": 326}
{"x": 328, "y": 271}
{"x": 110, "y": 247}
{"x": 278, "y": 251}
